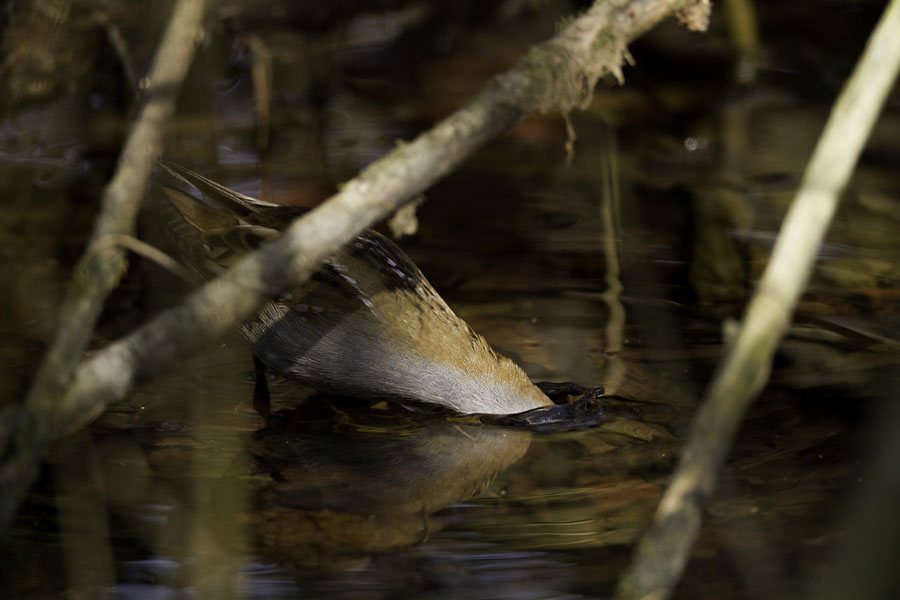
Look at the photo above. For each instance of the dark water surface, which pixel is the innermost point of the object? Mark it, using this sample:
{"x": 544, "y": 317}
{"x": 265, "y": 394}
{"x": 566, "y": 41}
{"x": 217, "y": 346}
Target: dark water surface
{"x": 679, "y": 180}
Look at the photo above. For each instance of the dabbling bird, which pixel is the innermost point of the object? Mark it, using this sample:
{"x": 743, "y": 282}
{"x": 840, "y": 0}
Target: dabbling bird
{"x": 367, "y": 324}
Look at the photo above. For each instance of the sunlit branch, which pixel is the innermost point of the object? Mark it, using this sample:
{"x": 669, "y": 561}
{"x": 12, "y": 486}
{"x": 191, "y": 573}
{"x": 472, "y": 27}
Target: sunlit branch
{"x": 663, "y": 551}
{"x": 559, "y": 74}
{"x": 591, "y": 45}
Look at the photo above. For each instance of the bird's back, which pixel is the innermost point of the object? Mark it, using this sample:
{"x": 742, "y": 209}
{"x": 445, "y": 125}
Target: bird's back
{"x": 367, "y": 324}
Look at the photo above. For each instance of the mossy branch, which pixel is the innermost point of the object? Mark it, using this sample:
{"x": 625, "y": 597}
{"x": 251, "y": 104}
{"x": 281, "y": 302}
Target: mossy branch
{"x": 44, "y": 415}
{"x": 556, "y": 75}
{"x": 382, "y": 188}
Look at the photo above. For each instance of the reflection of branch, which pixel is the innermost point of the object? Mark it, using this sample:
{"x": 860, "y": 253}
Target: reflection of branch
{"x": 663, "y": 551}
{"x": 261, "y": 74}
{"x": 559, "y": 74}
{"x": 610, "y": 212}
{"x": 97, "y": 273}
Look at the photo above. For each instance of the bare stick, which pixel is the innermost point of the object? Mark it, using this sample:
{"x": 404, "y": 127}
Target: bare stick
{"x": 97, "y": 273}
{"x": 663, "y": 551}
{"x": 144, "y": 249}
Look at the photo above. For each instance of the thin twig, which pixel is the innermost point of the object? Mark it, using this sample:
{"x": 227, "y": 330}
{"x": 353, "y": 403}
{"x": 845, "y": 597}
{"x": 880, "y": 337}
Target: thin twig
{"x": 614, "y": 332}
{"x": 145, "y": 250}
{"x": 120, "y": 47}
{"x": 262, "y": 77}
{"x": 663, "y": 551}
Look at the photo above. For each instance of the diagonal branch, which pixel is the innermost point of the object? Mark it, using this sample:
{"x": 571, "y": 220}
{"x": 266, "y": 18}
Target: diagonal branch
{"x": 98, "y": 272}
{"x": 569, "y": 65}
{"x": 663, "y": 551}
{"x": 558, "y": 74}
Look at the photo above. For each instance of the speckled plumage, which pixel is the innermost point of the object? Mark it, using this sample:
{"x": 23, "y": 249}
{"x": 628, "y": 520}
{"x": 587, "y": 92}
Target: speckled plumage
{"x": 368, "y": 324}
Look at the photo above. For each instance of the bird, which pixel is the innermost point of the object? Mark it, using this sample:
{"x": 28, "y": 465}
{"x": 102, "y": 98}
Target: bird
{"x": 367, "y": 324}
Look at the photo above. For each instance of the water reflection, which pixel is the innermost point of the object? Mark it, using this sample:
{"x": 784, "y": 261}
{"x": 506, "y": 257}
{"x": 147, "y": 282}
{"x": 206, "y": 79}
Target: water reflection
{"x": 332, "y": 493}
{"x": 325, "y": 483}
{"x": 338, "y": 481}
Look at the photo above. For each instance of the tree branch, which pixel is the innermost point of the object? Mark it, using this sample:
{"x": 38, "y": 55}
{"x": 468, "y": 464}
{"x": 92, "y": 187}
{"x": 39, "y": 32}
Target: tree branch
{"x": 558, "y": 74}
{"x": 663, "y": 551}
{"x": 595, "y": 39}
{"x": 44, "y": 413}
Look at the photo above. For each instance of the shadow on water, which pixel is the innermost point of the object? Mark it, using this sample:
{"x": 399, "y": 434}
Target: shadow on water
{"x": 679, "y": 180}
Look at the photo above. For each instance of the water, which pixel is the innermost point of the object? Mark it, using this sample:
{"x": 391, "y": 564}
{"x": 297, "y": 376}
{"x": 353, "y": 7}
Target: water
{"x": 180, "y": 491}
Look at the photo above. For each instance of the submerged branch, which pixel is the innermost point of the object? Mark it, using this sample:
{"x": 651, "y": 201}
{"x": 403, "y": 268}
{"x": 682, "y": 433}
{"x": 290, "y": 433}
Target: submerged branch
{"x": 663, "y": 551}
{"x": 45, "y": 414}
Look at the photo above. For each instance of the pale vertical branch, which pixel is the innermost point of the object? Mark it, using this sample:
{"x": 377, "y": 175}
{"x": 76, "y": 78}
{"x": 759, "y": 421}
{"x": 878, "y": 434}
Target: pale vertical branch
{"x": 614, "y": 376}
{"x": 663, "y": 551}
{"x": 97, "y": 273}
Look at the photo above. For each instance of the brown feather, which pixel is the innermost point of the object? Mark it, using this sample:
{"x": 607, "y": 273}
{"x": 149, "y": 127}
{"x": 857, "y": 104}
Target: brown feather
{"x": 368, "y": 324}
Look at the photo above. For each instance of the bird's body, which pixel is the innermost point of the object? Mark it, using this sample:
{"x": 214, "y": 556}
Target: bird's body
{"x": 367, "y": 324}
